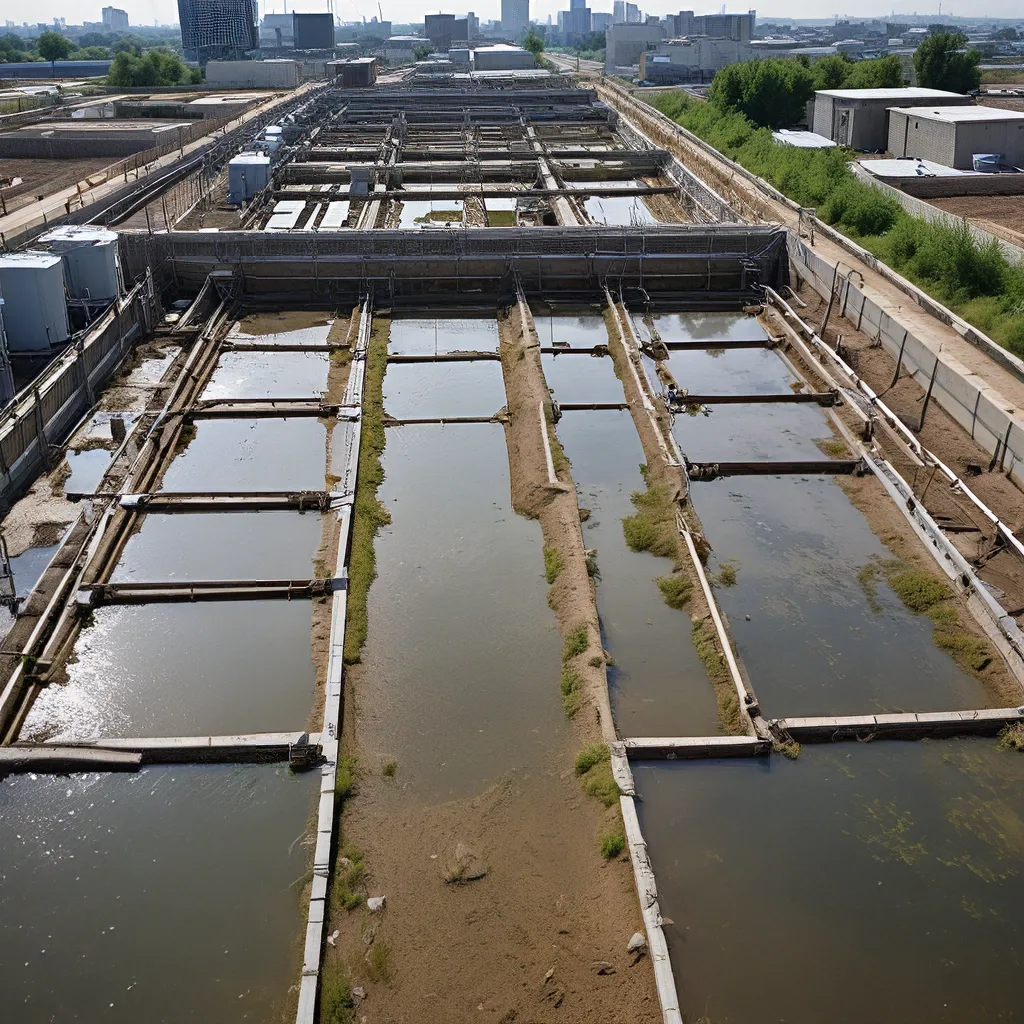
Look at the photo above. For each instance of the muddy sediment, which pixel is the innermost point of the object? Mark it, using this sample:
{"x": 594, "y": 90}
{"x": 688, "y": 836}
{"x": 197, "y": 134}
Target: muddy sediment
{"x": 499, "y": 905}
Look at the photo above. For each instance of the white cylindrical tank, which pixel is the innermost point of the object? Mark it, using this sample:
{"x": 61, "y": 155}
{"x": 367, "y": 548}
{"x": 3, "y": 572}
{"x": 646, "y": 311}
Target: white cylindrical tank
{"x": 92, "y": 267}
{"x": 35, "y": 311}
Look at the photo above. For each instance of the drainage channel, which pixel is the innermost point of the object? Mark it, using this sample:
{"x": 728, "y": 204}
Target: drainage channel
{"x": 657, "y": 683}
{"x": 925, "y": 837}
{"x": 812, "y": 611}
{"x": 218, "y": 674}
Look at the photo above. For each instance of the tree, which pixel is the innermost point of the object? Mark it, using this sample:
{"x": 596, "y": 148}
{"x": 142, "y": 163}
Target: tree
{"x": 92, "y": 53}
{"x": 157, "y": 67}
{"x": 773, "y": 93}
{"x": 831, "y": 72}
{"x": 1009, "y": 34}
{"x": 881, "y": 73}
{"x": 942, "y": 63}
{"x": 52, "y": 46}
{"x": 533, "y": 42}
{"x": 421, "y": 53}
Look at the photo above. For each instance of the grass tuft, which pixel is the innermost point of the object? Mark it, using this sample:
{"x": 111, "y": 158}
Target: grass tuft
{"x": 378, "y": 962}
{"x": 576, "y": 642}
{"x": 554, "y": 563}
{"x": 675, "y": 589}
{"x": 705, "y": 640}
{"x": 594, "y": 767}
{"x": 369, "y": 515}
{"x": 345, "y": 780}
{"x": 1012, "y": 738}
{"x": 388, "y": 769}
{"x": 572, "y": 691}
{"x": 653, "y": 526}
{"x": 347, "y": 882}
{"x": 612, "y": 843}
{"x": 726, "y": 575}
{"x": 336, "y": 1005}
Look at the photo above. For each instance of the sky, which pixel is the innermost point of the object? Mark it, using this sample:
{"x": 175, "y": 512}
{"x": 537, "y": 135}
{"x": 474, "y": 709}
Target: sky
{"x": 144, "y": 12}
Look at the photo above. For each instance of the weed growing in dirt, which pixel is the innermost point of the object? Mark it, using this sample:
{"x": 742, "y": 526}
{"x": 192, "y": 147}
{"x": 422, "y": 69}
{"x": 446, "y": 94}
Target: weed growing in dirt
{"x": 596, "y": 661}
{"x": 612, "y": 843}
{"x": 594, "y": 767}
{"x": 653, "y": 526}
{"x": 705, "y": 640}
{"x": 347, "y": 881}
{"x": 554, "y": 563}
{"x": 572, "y": 691}
{"x": 1012, "y": 738}
{"x": 832, "y": 447}
{"x": 576, "y": 642}
{"x": 369, "y": 515}
{"x": 675, "y": 589}
{"x": 378, "y": 962}
{"x": 336, "y": 1006}
{"x": 388, "y": 769}
{"x": 345, "y": 780}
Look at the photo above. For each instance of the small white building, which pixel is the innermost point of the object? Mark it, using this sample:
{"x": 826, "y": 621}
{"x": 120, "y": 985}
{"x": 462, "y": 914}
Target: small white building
{"x": 859, "y": 118}
{"x": 953, "y": 135}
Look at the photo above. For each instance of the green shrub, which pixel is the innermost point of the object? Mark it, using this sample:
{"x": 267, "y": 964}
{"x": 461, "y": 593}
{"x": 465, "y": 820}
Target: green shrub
{"x": 612, "y": 843}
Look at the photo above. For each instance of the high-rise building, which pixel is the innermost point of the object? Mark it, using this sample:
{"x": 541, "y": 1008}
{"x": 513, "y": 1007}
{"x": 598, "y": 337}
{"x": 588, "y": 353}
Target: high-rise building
{"x": 440, "y": 30}
{"x": 632, "y": 14}
{"x": 576, "y": 21}
{"x": 619, "y": 12}
{"x": 217, "y": 29}
{"x": 600, "y": 21}
{"x": 515, "y": 17}
{"x": 115, "y": 20}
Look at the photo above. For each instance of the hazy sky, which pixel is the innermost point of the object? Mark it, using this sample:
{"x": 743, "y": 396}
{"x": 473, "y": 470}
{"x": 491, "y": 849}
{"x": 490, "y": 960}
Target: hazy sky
{"x": 145, "y": 11}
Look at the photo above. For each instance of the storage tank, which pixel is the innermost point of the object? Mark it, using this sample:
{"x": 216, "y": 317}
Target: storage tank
{"x": 248, "y": 173}
{"x": 35, "y": 311}
{"x": 92, "y": 267}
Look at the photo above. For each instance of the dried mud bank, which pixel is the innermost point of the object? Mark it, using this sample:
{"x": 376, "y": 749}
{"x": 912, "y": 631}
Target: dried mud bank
{"x": 911, "y": 571}
{"x": 499, "y": 906}
{"x": 654, "y": 527}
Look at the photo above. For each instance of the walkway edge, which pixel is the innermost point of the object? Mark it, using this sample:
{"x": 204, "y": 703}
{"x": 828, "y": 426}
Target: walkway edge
{"x": 330, "y": 733}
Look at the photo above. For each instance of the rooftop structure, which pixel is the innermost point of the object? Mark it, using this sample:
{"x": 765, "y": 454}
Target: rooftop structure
{"x": 955, "y": 135}
{"x": 859, "y": 118}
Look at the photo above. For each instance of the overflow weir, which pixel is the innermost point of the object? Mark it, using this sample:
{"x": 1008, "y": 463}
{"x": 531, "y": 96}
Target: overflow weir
{"x": 489, "y": 476}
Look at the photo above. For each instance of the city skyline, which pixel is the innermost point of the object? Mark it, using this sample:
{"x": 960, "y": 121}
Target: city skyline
{"x": 145, "y": 12}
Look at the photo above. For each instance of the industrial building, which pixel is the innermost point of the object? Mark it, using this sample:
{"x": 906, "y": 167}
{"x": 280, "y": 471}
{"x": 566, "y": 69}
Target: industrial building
{"x": 624, "y": 43}
{"x": 217, "y": 29}
{"x": 953, "y": 136}
{"x": 859, "y": 118}
{"x": 692, "y": 60}
{"x": 359, "y": 71}
{"x": 253, "y": 74}
{"x": 313, "y": 31}
{"x": 55, "y": 140}
{"x": 440, "y": 30}
{"x": 502, "y": 57}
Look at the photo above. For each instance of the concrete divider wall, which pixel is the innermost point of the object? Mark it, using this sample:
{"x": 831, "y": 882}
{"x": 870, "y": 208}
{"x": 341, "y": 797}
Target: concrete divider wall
{"x": 932, "y": 214}
{"x": 964, "y": 395}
